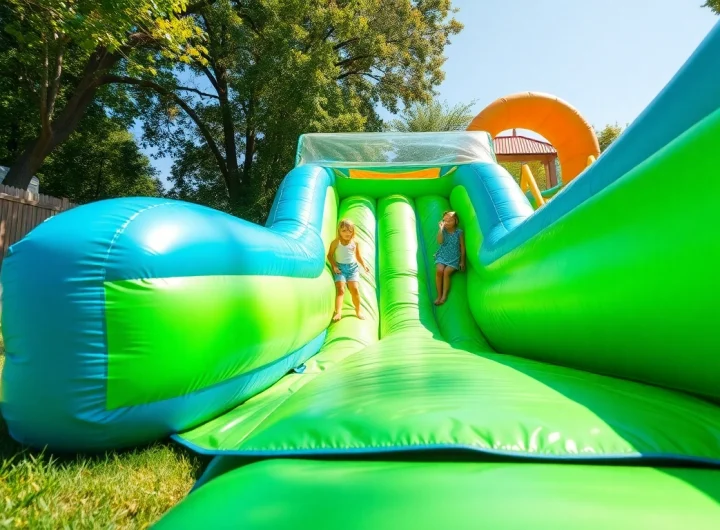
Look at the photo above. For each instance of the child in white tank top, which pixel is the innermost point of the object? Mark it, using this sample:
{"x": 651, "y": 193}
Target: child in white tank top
{"x": 344, "y": 256}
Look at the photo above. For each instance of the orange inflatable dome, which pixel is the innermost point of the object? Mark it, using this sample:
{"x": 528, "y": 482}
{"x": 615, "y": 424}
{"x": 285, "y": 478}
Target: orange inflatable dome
{"x": 547, "y": 115}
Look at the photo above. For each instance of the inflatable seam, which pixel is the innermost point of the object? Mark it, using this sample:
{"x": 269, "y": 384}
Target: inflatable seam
{"x": 122, "y": 229}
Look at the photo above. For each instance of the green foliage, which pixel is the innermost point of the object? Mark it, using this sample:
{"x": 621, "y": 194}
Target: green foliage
{"x": 53, "y": 40}
{"x": 433, "y": 116}
{"x": 714, "y": 5}
{"x": 100, "y": 160}
{"x": 62, "y": 51}
{"x": 293, "y": 67}
{"x": 194, "y": 178}
{"x": 608, "y": 135}
{"x": 18, "y": 117}
{"x": 258, "y": 75}
{"x": 90, "y": 24}
{"x": 537, "y": 169}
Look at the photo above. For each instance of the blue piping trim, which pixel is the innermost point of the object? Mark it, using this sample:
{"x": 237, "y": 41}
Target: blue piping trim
{"x": 153, "y": 238}
{"x": 687, "y": 99}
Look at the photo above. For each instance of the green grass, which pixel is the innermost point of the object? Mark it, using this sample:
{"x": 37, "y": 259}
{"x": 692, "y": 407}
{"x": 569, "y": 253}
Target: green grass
{"x": 127, "y": 489}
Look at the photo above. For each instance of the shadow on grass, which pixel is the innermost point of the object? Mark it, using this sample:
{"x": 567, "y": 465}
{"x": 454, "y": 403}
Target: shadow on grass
{"x": 129, "y": 488}
{"x": 11, "y": 450}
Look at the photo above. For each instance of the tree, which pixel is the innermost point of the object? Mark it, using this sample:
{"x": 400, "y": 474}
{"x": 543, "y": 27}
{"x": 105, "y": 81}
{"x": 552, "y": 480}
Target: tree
{"x": 536, "y": 168}
{"x": 608, "y": 135}
{"x": 714, "y": 5}
{"x": 194, "y": 178}
{"x": 433, "y": 116}
{"x": 17, "y": 118}
{"x": 278, "y": 68}
{"x": 99, "y": 160}
{"x": 62, "y": 51}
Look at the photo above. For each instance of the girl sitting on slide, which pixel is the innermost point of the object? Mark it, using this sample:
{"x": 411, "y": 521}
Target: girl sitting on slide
{"x": 344, "y": 256}
{"x": 450, "y": 256}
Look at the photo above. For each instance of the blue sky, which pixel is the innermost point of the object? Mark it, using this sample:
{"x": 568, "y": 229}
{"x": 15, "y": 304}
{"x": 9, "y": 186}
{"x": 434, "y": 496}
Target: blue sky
{"x": 608, "y": 59}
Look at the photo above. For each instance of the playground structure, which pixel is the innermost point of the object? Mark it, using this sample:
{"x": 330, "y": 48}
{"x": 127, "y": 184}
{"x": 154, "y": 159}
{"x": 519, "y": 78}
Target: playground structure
{"x": 519, "y": 148}
{"x": 571, "y": 136}
{"x": 570, "y": 381}
{"x": 563, "y": 126}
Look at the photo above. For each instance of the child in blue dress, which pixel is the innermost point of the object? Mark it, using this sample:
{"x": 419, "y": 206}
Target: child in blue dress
{"x": 344, "y": 256}
{"x": 450, "y": 256}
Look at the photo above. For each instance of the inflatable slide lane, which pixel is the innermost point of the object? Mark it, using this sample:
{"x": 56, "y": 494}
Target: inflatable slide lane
{"x": 569, "y": 381}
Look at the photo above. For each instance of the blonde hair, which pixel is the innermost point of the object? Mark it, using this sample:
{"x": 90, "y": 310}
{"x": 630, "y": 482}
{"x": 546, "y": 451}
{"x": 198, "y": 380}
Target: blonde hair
{"x": 346, "y": 223}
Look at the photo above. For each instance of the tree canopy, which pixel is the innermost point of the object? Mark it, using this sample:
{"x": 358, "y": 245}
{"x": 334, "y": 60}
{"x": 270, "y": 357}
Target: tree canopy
{"x": 276, "y": 69}
{"x": 434, "y": 116}
{"x": 536, "y": 168}
{"x": 225, "y": 87}
{"x": 100, "y": 160}
{"x": 608, "y": 135}
{"x": 61, "y": 51}
{"x": 714, "y": 5}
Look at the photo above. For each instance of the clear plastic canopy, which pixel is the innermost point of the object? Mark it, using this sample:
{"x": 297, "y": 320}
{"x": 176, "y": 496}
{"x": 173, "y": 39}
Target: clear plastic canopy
{"x": 394, "y": 149}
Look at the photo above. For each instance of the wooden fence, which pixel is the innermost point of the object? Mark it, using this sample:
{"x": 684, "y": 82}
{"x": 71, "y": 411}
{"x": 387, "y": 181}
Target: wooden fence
{"x": 21, "y": 211}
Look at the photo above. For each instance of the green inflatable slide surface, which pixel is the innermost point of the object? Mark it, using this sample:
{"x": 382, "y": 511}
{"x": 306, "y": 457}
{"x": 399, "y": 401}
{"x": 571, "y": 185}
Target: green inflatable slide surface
{"x": 569, "y": 381}
{"x": 442, "y": 429}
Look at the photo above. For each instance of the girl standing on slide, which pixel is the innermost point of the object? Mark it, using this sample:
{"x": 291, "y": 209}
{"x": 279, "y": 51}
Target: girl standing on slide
{"x": 344, "y": 256}
{"x": 450, "y": 256}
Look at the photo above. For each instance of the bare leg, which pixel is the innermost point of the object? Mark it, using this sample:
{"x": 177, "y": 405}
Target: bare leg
{"x": 446, "y": 284}
{"x": 439, "y": 268}
{"x": 355, "y": 293}
{"x": 340, "y": 289}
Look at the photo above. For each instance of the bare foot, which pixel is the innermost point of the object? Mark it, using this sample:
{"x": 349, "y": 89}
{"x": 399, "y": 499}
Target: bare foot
{"x": 336, "y": 317}
{"x": 437, "y": 301}
{"x": 360, "y": 315}
{"x": 441, "y": 301}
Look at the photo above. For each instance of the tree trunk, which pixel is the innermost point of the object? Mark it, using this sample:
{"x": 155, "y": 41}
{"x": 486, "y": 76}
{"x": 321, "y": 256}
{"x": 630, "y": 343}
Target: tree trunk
{"x": 248, "y": 186}
{"x": 13, "y": 141}
{"x": 26, "y": 165}
{"x": 236, "y": 198}
{"x": 235, "y": 182}
{"x": 37, "y": 150}
{"x": 98, "y": 180}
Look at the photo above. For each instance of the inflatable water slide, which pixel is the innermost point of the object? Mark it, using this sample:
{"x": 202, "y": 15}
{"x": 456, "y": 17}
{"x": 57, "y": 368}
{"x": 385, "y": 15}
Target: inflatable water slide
{"x": 571, "y": 380}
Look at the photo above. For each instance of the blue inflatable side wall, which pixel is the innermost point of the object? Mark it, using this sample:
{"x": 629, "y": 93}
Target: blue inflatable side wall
{"x": 55, "y": 375}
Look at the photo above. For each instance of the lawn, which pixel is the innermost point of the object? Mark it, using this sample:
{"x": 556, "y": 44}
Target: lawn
{"x": 129, "y": 489}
